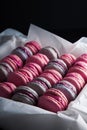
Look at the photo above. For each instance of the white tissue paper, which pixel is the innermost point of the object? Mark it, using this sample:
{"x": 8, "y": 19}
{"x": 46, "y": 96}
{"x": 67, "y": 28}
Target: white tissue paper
{"x": 15, "y": 115}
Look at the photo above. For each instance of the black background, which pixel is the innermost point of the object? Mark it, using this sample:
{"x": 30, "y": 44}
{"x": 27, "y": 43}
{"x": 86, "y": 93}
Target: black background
{"x": 66, "y": 18}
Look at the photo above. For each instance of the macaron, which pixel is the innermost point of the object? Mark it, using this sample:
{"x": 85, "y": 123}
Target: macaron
{"x": 44, "y": 80}
{"x": 33, "y": 46}
{"x": 52, "y": 75}
{"x": 68, "y": 89}
{"x": 68, "y": 58}
{"x": 51, "y": 52}
{"x": 53, "y": 100}
{"x": 13, "y": 61}
{"x": 4, "y": 71}
{"x": 80, "y": 66}
{"x": 7, "y": 89}
{"x": 79, "y": 69}
{"x": 20, "y": 77}
{"x": 38, "y": 86}
{"x": 34, "y": 67}
{"x": 26, "y": 95}
{"x": 81, "y": 63}
{"x": 76, "y": 79}
{"x": 59, "y": 65}
{"x": 9, "y": 64}
{"x": 40, "y": 59}
{"x": 22, "y": 52}
{"x": 25, "y": 75}
{"x": 82, "y": 57}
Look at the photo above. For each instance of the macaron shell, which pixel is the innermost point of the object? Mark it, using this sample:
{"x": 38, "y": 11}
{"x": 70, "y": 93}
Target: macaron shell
{"x": 23, "y": 98}
{"x": 74, "y": 82}
{"x": 17, "y": 78}
{"x": 34, "y": 71}
{"x": 38, "y": 87}
{"x": 53, "y": 75}
{"x": 49, "y": 103}
{"x": 40, "y": 59}
{"x": 83, "y": 57}
{"x": 69, "y": 85}
{"x": 68, "y": 92}
{"x": 59, "y": 65}
{"x": 27, "y": 74}
{"x": 78, "y": 69}
{"x": 59, "y": 96}
{"x": 10, "y": 62}
{"x": 78, "y": 77}
{"x": 34, "y": 66}
{"x": 19, "y": 51}
{"x": 33, "y": 46}
{"x": 10, "y": 85}
{"x": 50, "y": 78}
{"x": 28, "y": 92}
{"x": 17, "y": 60}
{"x": 6, "y": 89}
{"x": 81, "y": 63}
{"x": 42, "y": 79}
{"x": 3, "y": 73}
{"x": 69, "y": 59}
{"x": 50, "y": 52}
{"x": 7, "y": 66}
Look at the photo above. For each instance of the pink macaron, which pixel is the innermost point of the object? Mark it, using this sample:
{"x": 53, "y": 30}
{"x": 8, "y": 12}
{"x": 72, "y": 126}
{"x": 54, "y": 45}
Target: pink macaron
{"x": 20, "y": 77}
{"x": 83, "y": 57}
{"x": 7, "y": 89}
{"x": 25, "y": 74}
{"x": 53, "y": 100}
{"x": 9, "y": 64}
{"x": 33, "y": 46}
{"x": 52, "y": 75}
{"x": 81, "y": 70}
{"x": 81, "y": 63}
{"x": 40, "y": 59}
{"x": 76, "y": 79}
{"x": 34, "y": 68}
{"x": 69, "y": 59}
{"x": 80, "y": 67}
{"x": 13, "y": 60}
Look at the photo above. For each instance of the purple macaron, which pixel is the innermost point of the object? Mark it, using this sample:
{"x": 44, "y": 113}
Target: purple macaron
{"x": 26, "y": 95}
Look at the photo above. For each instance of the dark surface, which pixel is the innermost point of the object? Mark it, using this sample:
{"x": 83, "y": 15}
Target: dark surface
{"x": 66, "y": 18}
